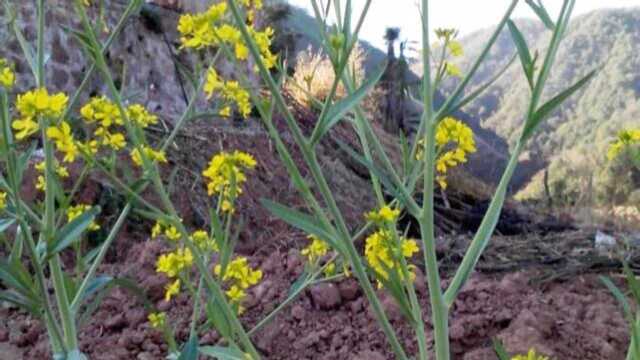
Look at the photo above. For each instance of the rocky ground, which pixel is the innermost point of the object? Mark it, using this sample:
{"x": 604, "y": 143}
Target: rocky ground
{"x": 566, "y": 318}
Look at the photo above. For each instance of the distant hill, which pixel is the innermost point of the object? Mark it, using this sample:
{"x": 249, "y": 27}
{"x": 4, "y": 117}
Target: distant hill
{"x": 585, "y": 123}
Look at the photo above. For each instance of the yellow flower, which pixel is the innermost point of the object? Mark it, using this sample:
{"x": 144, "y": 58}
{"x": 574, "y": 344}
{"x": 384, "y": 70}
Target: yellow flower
{"x": 624, "y": 139}
{"x": 454, "y": 140}
{"x": 116, "y": 141}
{"x": 225, "y": 176}
{"x": 75, "y": 211}
{"x": 380, "y": 253}
{"x": 172, "y": 233}
{"x": 60, "y": 170}
{"x": 316, "y": 249}
{"x": 25, "y": 128}
{"x": 202, "y": 240}
{"x": 90, "y": 147}
{"x": 158, "y": 320}
{"x": 172, "y": 263}
{"x": 225, "y": 111}
{"x": 241, "y": 277}
{"x": 63, "y": 139}
{"x": 39, "y": 103}
{"x": 172, "y": 289}
{"x": 153, "y": 155}
{"x": 330, "y": 270}
{"x": 385, "y": 214}
{"x": 455, "y": 47}
{"x": 213, "y": 83}
{"x": 138, "y": 114}
{"x": 7, "y": 76}
{"x": 3, "y": 200}
{"x": 452, "y": 69}
{"x": 101, "y": 110}
{"x": 198, "y": 30}
{"x": 157, "y": 229}
{"x": 531, "y": 355}
{"x": 239, "y": 272}
{"x": 409, "y": 247}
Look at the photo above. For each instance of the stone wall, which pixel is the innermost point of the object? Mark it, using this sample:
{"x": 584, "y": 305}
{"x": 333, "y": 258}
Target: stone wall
{"x": 141, "y": 57}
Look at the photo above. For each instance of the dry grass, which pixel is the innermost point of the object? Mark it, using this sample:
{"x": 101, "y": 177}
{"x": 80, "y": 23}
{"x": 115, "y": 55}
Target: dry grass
{"x": 314, "y": 76}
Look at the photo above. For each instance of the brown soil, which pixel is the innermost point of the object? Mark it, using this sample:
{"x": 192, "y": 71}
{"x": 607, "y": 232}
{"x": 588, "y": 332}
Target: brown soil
{"x": 565, "y": 319}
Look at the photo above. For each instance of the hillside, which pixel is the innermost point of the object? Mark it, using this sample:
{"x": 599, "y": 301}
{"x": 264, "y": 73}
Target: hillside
{"x": 609, "y": 39}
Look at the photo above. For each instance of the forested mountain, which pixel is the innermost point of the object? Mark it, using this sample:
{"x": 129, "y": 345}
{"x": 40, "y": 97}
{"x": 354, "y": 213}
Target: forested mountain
{"x": 580, "y": 131}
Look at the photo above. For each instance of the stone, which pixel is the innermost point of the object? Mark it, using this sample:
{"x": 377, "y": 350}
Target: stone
{"x": 325, "y": 296}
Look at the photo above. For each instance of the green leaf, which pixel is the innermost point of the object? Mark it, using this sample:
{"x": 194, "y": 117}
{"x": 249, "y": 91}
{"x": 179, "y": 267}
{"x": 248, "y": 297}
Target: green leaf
{"x": 21, "y": 301}
{"x": 340, "y": 108}
{"x": 16, "y": 277}
{"x": 542, "y": 13}
{"x": 501, "y": 352}
{"x": 632, "y": 282}
{"x": 27, "y": 50}
{"x": 545, "y": 110}
{"x": 222, "y": 353}
{"x": 190, "y": 351}
{"x": 523, "y": 51}
{"x": 216, "y": 316}
{"x": 71, "y": 232}
{"x": 5, "y": 224}
{"x": 617, "y": 293}
{"x": 304, "y": 222}
{"x": 300, "y": 282}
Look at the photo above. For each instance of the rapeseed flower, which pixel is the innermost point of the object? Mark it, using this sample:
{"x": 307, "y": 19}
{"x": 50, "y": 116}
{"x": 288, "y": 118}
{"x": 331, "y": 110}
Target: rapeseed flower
{"x": 452, "y": 69}
{"x": 203, "y": 241}
{"x": 316, "y": 249}
{"x": 139, "y": 115}
{"x": 381, "y": 254}
{"x": 63, "y": 139}
{"x": 624, "y": 139}
{"x": 101, "y": 110}
{"x": 60, "y": 170}
{"x": 7, "y": 76}
{"x": 454, "y": 141}
{"x": 199, "y": 30}
{"x": 33, "y": 104}
{"x": 3, "y": 200}
{"x": 158, "y": 320}
{"x": 172, "y": 263}
{"x": 172, "y": 233}
{"x": 240, "y": 277}
{"x": 153, "y": 155}
{"x": 531, "y": 355}
{"x": 225, "y": 176}
{"x": 75, "y": 211}
{"x": 172, "y": 289}
{"x": 385, "y": 215}
{"x": 230, "y": 92}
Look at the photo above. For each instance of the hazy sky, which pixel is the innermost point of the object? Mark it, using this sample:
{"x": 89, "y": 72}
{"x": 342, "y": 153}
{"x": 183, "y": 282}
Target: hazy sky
{"x": 465, "y": 15}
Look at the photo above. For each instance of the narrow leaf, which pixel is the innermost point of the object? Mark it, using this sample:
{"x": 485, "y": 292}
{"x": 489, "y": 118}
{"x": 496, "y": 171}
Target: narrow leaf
{"x": 190, "y": 351}
{"x": 222, "y": 353}
{"x": 542, "y": 13}
{"x": 501, "y": 352}
{"x": 545, "y": 110}
{"x": 340, "y": 108}
{"x": 5, "y": 224}
{"x": 71, "y": 232}
{"x": 523, "y": 51}
{"x": 304, "y": 222}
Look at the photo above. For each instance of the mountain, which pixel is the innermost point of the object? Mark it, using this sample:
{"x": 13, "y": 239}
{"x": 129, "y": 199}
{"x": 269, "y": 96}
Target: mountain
{"x": 606, "y": 39}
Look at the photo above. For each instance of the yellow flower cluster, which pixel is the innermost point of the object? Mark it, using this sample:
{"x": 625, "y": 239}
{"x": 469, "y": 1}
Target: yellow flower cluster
{"x": 448, "y": 39}
{"x": 158, "y": 320}
{"x": 205, "y": 30}
{"x": 316, "y": 249}
{"x": 240, "y": 277}
{"x": 382, "y": 253}
{"x": 63, "y": 139}
{"x": 624, "y": 139}
{"x": 3, "y": 200}
{"x": 230, "y": 91}
{"x": 385, "y": 215}
{"x": 199, "y": 30}
{"x": 33, "y": 104}
{"x": 7, "y": 76}
{"x": 170, "y": 231}
{"x": 60, "y": 170}
{"x": 452, "y": 69}
{"x": 75, "y": 211}
{"x": 149, "y": 153}
{"x": 139, "y": 115}
{"x": 454, "y": 140}
{"x": 203, "y": 241}
{"x": 531, "y": 355}
{"x": 172, "y": 264}
{"x": 225, "y": 176}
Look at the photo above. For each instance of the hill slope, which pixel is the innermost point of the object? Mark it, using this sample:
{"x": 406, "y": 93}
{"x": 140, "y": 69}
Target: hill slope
{"x": 609, "y": 39}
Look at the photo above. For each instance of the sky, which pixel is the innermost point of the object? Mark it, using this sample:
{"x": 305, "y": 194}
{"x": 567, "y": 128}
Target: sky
{"x": 464, "y": 15}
